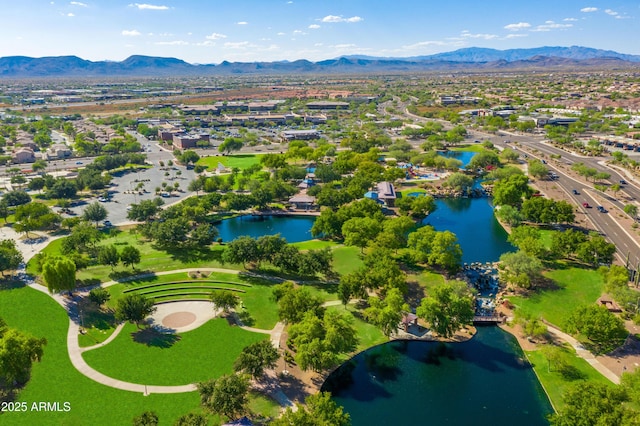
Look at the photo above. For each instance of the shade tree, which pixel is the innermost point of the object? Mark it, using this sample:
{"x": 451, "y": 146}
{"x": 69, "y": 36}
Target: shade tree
{"x": 447, "y": 308}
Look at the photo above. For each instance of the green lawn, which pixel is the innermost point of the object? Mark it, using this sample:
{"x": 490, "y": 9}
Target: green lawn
{"x": 241, "y": 161}
{"x": 55, "y": 379}
{"x": 152, "y": 259}
{"x": 346, "y": 259}
{"x": 260, "y": 308}
{"x": 172, "y": 359}
{"x": 369, "y": 335}
{"x": 574, "y": 287}
{"x": 556, "y": 380}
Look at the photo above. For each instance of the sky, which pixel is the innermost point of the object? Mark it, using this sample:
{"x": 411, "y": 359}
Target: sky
{"x": 212, "y": 31}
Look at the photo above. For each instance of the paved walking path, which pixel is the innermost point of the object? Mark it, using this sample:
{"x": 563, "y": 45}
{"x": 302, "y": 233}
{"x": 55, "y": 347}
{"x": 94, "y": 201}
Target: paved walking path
{"x": 584, "y": 354}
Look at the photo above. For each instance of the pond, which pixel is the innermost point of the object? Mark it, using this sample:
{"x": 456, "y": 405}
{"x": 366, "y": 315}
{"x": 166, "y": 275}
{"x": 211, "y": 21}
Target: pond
{"x": 464, "y": 156}
{"x": 484, "y": 381}
{"x": 480, "y": 235}
{"x": 293, "y": 228}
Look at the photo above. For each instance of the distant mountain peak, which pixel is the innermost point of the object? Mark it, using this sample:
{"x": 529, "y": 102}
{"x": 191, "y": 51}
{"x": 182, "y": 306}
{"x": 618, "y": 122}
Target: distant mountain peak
{"x": 467, "y": 58}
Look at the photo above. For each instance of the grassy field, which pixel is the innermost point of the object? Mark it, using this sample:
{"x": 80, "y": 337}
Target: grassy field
{"x": 241, "y": 161}
{"x": 55, "y": 379}
{"x": 555, "y": 379}
{"x": 148, "y": 357}
{"x": 152, "y": 259}
{"x": 477, "y": 147}
{"x": 573, "y": 287}
{"x": 261, "y": 311}
{"x": 346, "y": 259}
{"x": 368, "y": 334}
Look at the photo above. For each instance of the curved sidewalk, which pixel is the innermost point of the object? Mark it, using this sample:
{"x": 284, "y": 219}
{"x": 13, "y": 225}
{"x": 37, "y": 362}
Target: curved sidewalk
{"x": 583, "y": 353}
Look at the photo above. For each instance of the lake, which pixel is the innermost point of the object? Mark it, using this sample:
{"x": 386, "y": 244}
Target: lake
{"x": 480, "y": 235}
{"x": 293, "y": 228}
{"x": 484, "y": 381}
{"x": 464, "y": 156}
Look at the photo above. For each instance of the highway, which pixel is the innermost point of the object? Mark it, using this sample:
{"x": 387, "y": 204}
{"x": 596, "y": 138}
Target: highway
{"x": 605, "y": 223}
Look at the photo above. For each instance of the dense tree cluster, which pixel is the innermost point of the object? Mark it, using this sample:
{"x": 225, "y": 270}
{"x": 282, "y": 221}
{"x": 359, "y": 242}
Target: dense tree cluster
{"x": 275, "y": 250}
{"x": 604, "y": 330}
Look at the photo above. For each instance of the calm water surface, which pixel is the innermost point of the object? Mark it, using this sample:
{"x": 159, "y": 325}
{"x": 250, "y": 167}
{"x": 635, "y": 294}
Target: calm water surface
{"x": 293, "y": 228}
{"x": 480, "y": 235}
{"x": 480, "y": 382}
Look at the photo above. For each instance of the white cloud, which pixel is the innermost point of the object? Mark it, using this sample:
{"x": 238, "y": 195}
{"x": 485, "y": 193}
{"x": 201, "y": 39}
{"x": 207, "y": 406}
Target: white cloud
{"x": 70, "y": 15}
{"x": 131, "y": 33}
{"x": 172, "y": 43}
{"x": 569, "y": 19}
{"x": 611, "y": 12}
{"x": 77, "y": 3}
{"x": 422, "y": 44}
{"x": 242, "y": 23}
{"x": 313, "y": 26}
{"x": 337, "y": 19}
{"x": 518, "y": 26}
{"x": 551, "y": 25}
{"x": 516, "y": 35}
{"x": 467, "y": 34}
{"x": 298, "y": 32}
{"x": 281, "y": 34}
{"x": 238, "y": 45}
{"x": 145, "y": 6}
{"x": 589, "y": 9}
{"x": 215, "y": 36}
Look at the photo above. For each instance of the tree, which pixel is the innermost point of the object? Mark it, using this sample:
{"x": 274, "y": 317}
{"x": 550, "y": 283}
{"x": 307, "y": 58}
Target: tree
{"x": 319, "y": 410}
{"x": 130, "y": 256}
{"x": 527, "y": 239}
{"x": 447, "y": 308}
{"x": 445, "y": 251}
{"x": 537, "y": 169}
{"x": 203, "y": 235}
{"x": 631, "y": 210}
{"x": 59, "y": 274}
{"x": 32, "y": 216}
{"x": 189, "y": 157}
{"x": 226, "y": 396}
{"x": 18, "y": 351}
{"x": 293, "y": 302}
{"x": 519, "y": 269}
{"x": 192, "y": 419}
{"x": 148, "y": 418}
{"x": 99, "y": 295}
{"x": 230, "y": 144}
{"x": 16, "y": 198}
{"x": 509, "y": 155}
{"x": 509, "y": 214}
{"x": 134, "y": 308}
{"x": 604, "y": 330}
{"x": 10, "y": 256}
{"x": 257, "y": 357}
{"x": 459, "y": 181}
{"x": 386, "y": 313}
{"x": 224, "y": 300}
{"x": 319, "y": 341}
{"x": 241, "y": 250}
{"x": 360, "y": 231}
{"x": 596, "y": 250}
{"x": 108, "y": 255}
{"x": 95, "y": 212}
{"x": 419, "y": 242}
{"x": 395, "y": 232}
{"x": 146, "y": 210}
{"x": 591, "y": 403}
{"x": 511, "y": 190}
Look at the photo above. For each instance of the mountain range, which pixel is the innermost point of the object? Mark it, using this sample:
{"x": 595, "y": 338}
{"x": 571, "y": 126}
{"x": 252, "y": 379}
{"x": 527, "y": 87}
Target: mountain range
{"x": 467, "y": 59}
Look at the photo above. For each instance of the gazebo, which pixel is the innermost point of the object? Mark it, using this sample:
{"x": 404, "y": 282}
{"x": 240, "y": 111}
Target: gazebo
{"x": 302, "y": 201}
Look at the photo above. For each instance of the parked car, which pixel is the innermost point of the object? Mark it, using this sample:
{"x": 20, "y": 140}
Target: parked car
{"x": 586, "y": 205}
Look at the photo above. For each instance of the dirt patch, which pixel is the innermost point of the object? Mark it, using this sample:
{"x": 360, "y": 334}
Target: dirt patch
{"x": 178, "y": 319}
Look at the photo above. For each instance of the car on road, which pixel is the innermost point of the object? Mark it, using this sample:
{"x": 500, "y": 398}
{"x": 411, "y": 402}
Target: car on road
{"x": 575, "y": 192}
{"x": 78, "y": 163}
{"x": 586, "y": 205}
{"x": 602, "y": 209}
{"x": 623, "y": 182}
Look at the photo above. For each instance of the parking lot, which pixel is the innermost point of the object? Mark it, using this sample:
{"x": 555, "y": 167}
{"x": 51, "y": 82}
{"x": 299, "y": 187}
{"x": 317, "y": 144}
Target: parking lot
{"x": 123, "y": 191}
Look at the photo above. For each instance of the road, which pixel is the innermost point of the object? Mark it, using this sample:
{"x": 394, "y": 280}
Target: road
{"x": 605, "y": 223}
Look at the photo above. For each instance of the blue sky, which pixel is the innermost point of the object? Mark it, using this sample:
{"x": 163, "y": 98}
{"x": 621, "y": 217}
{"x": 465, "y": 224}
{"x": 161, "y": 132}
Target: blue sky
{"x": 210, "y": 31}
